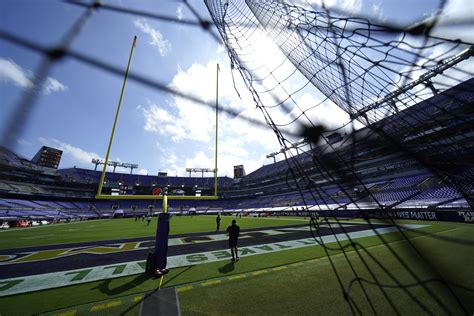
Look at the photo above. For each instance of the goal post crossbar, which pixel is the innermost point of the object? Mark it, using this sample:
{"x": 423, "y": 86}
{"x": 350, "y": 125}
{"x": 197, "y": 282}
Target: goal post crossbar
{"x": 153, "y": 197}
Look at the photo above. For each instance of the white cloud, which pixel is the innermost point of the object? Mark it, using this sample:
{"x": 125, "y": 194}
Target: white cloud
{"x": 157, "y": 39}
{"x": 326, "y": 113}
{"x": 23, "y": 142}
{"x": 263, "y": 138}
{"x": 179, "y": 12}
{"x": 240, "y": 142}
{"x": 226, "y": 163}
{"x": 455, "y": 11}
{"x": 171, "y": 161}
{"x": 348, "y": 6}
{"x": 234, "y": 146}
{"x": 53, "y": 85}
{"x": 220, "y": 49}
{"x": 11, "y": 72}
{"x": 200, "y": 160}
{"x": 77, "y": 154}
{"x": 155, "y": 118}
{"x": 446, "y": 27}
{"x": 143, "y": 172}
{"x": 373, "y": 10}
{"x": 378, "y": 13}
{"x": 182, "y": 120}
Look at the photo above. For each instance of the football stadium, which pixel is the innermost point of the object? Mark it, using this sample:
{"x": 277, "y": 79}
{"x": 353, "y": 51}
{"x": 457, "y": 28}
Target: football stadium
{"x": 355, "y": 120}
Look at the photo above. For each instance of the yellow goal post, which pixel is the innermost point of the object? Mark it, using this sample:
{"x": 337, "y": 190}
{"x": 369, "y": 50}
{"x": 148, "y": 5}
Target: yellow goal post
{"x": 165, "y": 198}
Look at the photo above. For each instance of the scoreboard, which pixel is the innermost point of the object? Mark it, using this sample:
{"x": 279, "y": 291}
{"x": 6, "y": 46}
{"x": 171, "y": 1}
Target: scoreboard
{"x": 239, "y": 172}
{"x": 48, "y": 157}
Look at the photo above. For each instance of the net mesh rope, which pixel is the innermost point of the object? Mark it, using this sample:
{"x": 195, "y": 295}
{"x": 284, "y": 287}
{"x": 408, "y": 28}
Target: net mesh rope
{"x": 369, "y": 71}
{"x": 393, "y": 81}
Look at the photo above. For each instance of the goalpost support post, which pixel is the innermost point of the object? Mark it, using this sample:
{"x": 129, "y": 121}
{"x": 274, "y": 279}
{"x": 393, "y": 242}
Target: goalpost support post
{"x": 164, "y": 211}
{"x": 165, "y": 204}
{"x": 161, "y": 237}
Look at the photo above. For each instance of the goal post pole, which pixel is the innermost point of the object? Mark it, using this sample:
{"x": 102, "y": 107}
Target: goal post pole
{"x": 153, "y": 197}
{"x": 165, "y": 204}
{"x": 161, "y": 238}
{"x": 102, "y": 178}
{"x": 217, "y": 130}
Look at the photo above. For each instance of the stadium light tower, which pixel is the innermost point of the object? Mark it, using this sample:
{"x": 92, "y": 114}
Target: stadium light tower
{"x": 96, "y": 162}
{"x": 423, "y": 79}
{"x": 201, "y": 170}
{"x": 114, "y": 164}
{"x": 296, "y": 146}
{"x": 131, "y": 166}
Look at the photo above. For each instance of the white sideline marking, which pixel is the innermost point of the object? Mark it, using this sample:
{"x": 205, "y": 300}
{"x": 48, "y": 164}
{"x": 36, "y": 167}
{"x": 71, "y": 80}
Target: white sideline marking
{"x": 22, "y": 229}
{"x": 64, "y": 278}
{"x": 37, "y": 236}
{"x": 280, "y": 219}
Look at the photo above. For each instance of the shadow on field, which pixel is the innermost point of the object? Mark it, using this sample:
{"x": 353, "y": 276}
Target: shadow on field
{"x": 227, "y": 268}
{"x": 104, "y": 286}
{"x": 168, "y": 280}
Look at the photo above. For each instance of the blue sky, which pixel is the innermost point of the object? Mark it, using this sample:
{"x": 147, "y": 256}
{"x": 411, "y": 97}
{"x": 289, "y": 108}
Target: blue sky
{"x": 160, "y": 132}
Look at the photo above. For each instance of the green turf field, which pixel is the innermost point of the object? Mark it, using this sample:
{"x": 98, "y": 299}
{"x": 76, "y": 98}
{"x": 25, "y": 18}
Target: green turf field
{"x": 297, "y": 282}
{"x": 313, "y": 288}
{"x": 110, "y": 229}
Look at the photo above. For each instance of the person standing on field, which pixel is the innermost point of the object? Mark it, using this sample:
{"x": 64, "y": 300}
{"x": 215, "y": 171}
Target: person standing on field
{"x": 218, "y": 222}
{"x": 233, "y": 231}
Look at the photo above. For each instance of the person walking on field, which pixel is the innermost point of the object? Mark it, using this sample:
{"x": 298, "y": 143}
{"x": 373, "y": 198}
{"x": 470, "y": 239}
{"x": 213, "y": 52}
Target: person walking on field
{"x": 233, "y": 231}
{"x": 218, "y": 222}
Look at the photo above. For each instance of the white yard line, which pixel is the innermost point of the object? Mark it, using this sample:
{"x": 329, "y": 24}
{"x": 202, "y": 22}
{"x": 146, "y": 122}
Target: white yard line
{"x": 22, "y": 229}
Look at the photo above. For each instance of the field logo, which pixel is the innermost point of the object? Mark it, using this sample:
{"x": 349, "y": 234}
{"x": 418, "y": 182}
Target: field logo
{"x": 50, "y": 254}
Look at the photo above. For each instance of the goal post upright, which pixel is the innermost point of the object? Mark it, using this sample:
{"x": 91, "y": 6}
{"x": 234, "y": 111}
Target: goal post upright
{"x": 217, "y": 130}
{"x": 165, "y": 204}
{"x": 102, "y": 178}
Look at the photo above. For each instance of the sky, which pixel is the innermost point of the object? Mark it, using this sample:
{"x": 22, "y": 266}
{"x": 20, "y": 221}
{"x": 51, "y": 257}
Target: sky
{"x": 75, "y": 107}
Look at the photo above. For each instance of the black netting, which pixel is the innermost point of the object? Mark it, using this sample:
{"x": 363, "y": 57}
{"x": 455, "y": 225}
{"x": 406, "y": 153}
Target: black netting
{"x": 412, "y": 92}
